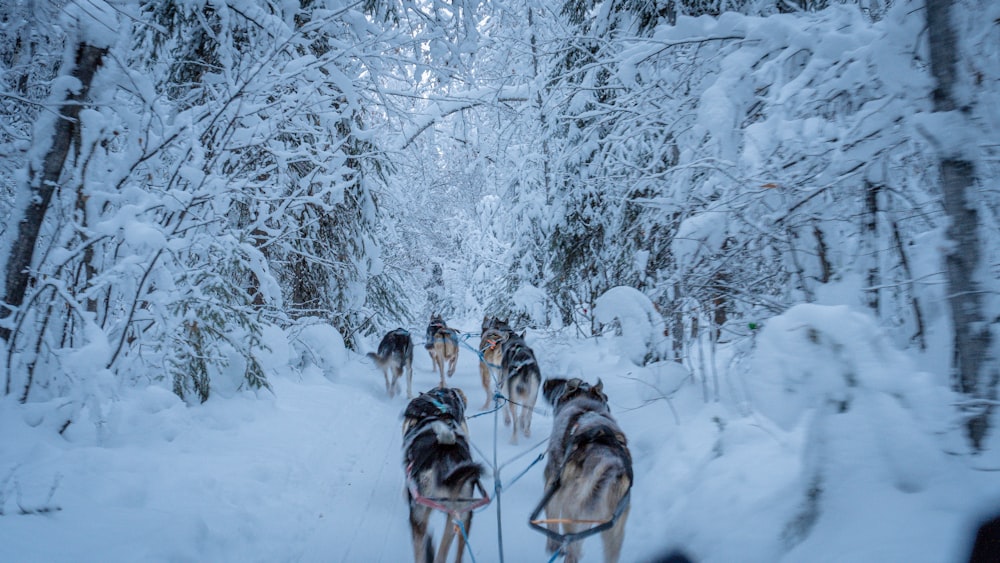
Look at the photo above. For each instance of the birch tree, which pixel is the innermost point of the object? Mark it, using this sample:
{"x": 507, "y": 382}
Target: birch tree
{"x": 976, "y": 371}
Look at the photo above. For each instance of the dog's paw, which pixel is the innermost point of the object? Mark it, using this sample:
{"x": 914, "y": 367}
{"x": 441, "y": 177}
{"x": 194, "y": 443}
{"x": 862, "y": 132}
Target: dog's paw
{"x": 551, "y": 545}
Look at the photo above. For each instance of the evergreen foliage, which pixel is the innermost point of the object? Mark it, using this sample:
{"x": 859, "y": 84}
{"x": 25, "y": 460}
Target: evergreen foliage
{"x": 241, "y": 165}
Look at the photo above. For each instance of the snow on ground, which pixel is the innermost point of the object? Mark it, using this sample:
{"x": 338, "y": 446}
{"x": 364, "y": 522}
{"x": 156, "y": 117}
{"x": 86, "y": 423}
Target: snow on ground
{"x": 312, "y": 472}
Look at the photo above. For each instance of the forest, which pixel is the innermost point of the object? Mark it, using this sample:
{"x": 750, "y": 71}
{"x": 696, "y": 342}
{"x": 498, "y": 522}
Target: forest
{"x": 190, "y": 185}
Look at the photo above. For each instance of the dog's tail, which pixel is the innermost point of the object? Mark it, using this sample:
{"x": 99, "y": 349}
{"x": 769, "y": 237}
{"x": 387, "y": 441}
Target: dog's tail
{"x": 462, "y": 473}
{"x": 444, "y": 433}
{"x": 379, "y": 360}
{"x": 524, "y": 376}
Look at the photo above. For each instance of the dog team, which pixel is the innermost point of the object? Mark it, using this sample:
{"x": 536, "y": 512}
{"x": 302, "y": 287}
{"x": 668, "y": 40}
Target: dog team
{"x": 588, "y": 475}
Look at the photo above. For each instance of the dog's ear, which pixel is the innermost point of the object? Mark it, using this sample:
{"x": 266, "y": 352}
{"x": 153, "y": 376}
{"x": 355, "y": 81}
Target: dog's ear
{"x": 461, "y": 396}
{"x": 598, "y": 390}
{"x": 523, "y": 333}
{"x": 552, "y": 389}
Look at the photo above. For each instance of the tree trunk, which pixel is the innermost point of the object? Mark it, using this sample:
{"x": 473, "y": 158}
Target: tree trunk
{"x": 975, "y": 372}
{"x": 870, "y": 246}
{"x": 42, "y": 183}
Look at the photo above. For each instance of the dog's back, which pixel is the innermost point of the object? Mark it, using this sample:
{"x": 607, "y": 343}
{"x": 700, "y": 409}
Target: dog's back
{"x": 593, "y": 457}
{"x": 519, "y": 363}
{"x": 396, "y": 348}
{"x": 438, "y": 457}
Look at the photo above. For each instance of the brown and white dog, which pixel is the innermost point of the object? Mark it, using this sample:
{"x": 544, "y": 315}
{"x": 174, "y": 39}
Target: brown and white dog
{"x": 494, "y": 333}
{"x": 589, "y": 467}
{"x": 395, "y": 354}
{"x": 442, "y": 344}
{"x": 440, "y": 473}
{"x": 521, "y": 380}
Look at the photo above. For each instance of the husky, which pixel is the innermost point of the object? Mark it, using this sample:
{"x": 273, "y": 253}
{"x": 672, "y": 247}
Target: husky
{"x": 442, "y": 344}
{"x": 440, "y": 473}
{"x": 589, "y": 467}
{"x": 520, "y": 382}
{"x": 395, "y": 353}
{"x": 494, "y": 333}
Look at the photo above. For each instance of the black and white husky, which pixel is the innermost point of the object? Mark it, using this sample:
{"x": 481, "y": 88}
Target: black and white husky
{"x": 440, "y": 473}
{"x": 521, "y": 379}
{"x": 395, "y": 354}
{"x": 589, "y": 471}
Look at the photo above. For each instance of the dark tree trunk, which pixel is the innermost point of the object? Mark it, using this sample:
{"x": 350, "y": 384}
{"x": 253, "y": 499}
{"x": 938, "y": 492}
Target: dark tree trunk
{"x": 873, "y": 277}
{"x": 975, "y": 372}
{"x": 42, "y": 183}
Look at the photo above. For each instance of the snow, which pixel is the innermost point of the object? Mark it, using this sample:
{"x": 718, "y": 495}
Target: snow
{"x": 312, "y": 471}
{"x": 638, "y": 321}
{"x": 832, "y": 439}
{"x": 94, "y": 20}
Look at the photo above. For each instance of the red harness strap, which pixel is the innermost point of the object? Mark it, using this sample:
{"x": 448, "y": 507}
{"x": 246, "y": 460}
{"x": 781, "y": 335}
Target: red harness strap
{"x": 446, "y": 505}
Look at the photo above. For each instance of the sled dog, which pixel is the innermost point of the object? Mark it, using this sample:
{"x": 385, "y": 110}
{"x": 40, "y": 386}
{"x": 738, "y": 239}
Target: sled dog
{"x": 440, "y": 473}
{"x": 442, "y": 344}
{"x": 494, "y": 333}
{"x": 395, "y": 354}
{"x": 520, "y": 382}
{"x": 589, "y": 466}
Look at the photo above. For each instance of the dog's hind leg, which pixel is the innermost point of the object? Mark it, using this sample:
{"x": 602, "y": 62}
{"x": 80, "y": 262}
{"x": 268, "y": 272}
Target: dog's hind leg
{"x": 397, "y": 372}
{"x": 572, "y": 550}
{"x": 438, "y": 356}
{"x": 468, "y": 530}
{"x": 528, "y": 407}
{"x": 419, "y": 515}
{"x": 409, "y": 379}
{"x": 463, "y": 533}
{"x": 505, "y": 389}
{"x": 453, "y": 362}
{"x": 484, "y": 375}
{"x": 446, "y": 537}
{"x": 517, "y": 421}
{"x": 551, "y": 512}
{"x": 613, "y": 537}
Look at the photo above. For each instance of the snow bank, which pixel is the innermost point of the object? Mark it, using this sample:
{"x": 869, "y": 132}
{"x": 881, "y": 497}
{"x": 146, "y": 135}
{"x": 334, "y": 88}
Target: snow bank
{"x": 318, "y": 350}
{"x": 641, "y": 324}
{"x": 815, "y": 355}
{"x": 874, "y": 471}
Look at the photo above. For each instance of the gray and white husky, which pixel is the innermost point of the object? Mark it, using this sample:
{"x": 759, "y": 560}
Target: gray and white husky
{"x": 589, "y": 467}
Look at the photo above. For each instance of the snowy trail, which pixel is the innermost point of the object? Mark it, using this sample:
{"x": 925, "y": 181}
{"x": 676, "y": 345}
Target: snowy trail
{"x": 353, "y": 508}
{"x": 313, "y": 472}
